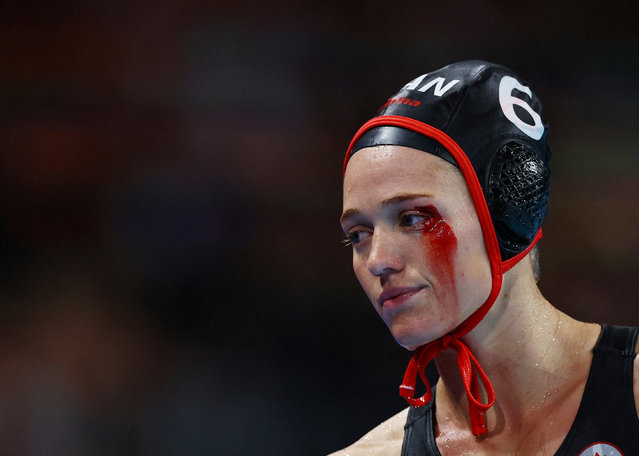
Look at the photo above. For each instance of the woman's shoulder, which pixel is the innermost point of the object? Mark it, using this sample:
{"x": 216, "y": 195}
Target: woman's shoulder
{"x": 385, "y": 439}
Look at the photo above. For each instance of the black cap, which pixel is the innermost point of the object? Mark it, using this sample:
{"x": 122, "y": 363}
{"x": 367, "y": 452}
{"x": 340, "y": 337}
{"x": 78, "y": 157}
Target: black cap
{"x": 496, "y": 120}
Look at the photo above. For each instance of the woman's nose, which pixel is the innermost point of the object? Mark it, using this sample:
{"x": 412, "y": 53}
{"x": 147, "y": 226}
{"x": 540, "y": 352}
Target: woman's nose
{"x": 385, "y": 254}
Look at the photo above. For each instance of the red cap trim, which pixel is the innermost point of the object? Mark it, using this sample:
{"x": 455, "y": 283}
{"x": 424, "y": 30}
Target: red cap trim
{"x": 469, "y": 367}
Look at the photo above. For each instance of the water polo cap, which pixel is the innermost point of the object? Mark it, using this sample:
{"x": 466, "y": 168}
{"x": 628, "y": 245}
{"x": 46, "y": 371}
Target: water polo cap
{"x": 485, "y": 120}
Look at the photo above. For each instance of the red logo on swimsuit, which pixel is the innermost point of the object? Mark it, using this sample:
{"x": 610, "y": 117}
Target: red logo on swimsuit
{"x": 601, "y": 449}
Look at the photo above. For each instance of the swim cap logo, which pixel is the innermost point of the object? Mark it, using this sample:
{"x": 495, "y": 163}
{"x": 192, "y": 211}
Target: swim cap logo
{"x": 438, "y": 84}
{"x": 400, "y": 100}
{"x": 601, "y": 449}
{"x": 508, "y": 101}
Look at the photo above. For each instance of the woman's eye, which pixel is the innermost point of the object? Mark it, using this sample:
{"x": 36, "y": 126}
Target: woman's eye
{"x": 411, "y": 219}
{"x": 355, "y": 237}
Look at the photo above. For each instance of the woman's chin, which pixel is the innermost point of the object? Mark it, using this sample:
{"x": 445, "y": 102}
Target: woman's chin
{"x": 409, "y": 338}
{"x": 416, "y": 327}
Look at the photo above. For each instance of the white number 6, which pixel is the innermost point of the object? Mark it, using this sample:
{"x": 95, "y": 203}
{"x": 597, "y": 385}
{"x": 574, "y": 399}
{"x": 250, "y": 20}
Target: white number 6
{"x": 507, "y": 102}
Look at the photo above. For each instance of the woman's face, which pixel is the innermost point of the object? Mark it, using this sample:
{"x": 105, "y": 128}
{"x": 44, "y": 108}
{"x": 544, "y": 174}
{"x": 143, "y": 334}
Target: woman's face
{"x": 418, "y": 249}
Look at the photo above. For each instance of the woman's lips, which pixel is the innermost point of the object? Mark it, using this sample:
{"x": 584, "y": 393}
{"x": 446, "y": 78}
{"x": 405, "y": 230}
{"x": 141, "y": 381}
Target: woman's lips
{"x": 395, "y": 297}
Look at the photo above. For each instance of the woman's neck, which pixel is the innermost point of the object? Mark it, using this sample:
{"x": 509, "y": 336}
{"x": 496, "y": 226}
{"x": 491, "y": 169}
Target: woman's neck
{"x": 531, "y": 352}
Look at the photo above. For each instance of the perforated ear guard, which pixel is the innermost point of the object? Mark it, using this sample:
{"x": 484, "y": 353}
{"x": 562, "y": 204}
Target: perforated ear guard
{"x": 517, "y": 196}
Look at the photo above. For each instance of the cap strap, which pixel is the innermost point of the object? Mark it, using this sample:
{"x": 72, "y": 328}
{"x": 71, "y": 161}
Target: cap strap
{"x": 469, "y": 367}
{"x": 471, "y": 372}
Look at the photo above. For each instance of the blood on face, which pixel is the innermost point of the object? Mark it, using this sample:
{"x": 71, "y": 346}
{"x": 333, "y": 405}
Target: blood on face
{"x": 439, "y": 245}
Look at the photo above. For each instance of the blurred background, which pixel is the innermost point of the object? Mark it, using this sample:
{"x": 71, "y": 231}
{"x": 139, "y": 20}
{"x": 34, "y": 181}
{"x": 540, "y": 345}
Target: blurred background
{"x": 173, "y": 281}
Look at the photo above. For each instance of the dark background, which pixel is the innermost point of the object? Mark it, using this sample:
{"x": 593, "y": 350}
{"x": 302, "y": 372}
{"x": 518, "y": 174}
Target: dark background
{"x": 172, "y": 278}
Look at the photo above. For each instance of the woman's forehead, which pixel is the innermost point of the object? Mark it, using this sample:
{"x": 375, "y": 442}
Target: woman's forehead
{"x": 398, "y": 167}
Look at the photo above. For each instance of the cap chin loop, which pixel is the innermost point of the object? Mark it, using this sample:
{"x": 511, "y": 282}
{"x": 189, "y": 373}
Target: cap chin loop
{"x": 471, "y": 371}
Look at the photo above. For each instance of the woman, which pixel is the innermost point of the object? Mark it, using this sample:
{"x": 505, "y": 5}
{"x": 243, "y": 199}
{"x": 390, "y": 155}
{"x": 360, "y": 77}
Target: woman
{"x": 445, "y": 192}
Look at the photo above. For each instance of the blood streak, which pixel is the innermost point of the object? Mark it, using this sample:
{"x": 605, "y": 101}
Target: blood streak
{"x": 440, "y": 244}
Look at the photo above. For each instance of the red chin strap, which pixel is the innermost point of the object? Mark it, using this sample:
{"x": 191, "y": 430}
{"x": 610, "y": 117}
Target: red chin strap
{"x": 469, "y": 368}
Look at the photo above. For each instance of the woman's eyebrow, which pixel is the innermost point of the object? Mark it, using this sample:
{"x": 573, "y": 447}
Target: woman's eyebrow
{"x": 348, "y": 213}
{"x": 387, "y": 202}
{"x": 405, "y": 197}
